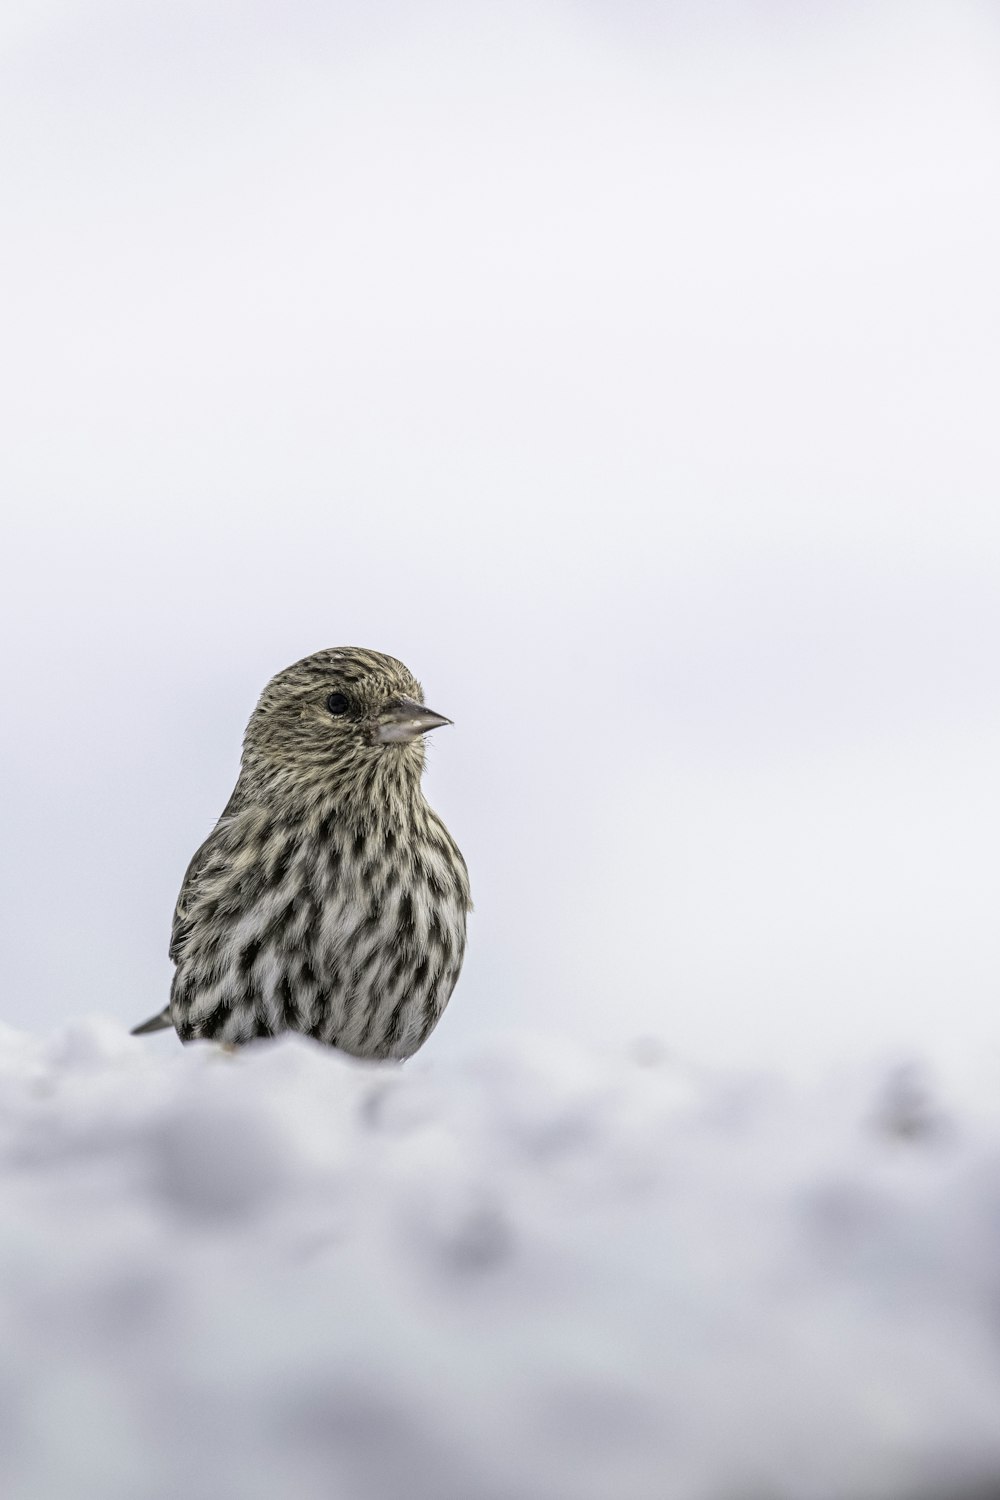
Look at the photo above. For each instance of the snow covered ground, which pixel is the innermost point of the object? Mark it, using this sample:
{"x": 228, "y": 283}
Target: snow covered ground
{"x": 531, "y": 1275}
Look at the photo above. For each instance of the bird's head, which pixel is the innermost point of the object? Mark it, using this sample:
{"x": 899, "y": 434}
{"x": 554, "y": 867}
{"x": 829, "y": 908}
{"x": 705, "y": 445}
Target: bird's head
{"x": 337, "y": 720}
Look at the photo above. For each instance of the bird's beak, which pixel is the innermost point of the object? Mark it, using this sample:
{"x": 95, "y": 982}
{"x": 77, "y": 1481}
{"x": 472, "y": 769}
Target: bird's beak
{"x": 405, "y": 719}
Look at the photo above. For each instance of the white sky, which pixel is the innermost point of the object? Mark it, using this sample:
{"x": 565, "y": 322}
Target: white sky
{"x": 628, "y": 370}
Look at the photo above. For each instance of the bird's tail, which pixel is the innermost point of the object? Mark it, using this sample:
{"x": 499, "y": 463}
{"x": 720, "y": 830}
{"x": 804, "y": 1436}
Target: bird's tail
{"x": 155, "y": 1023}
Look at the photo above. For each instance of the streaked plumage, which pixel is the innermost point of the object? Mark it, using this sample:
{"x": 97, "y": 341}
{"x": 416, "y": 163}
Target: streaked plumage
{"x": 329, "y": 899}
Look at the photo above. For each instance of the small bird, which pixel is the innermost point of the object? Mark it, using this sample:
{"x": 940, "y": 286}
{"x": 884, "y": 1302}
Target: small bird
{"x": 329, "y": 898}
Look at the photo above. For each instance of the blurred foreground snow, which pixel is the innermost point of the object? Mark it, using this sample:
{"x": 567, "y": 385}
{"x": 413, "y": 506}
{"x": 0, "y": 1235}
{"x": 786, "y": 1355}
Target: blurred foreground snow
{"x": 529, "y": 1276}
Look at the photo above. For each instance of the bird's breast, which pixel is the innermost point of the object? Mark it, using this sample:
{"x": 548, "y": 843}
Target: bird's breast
{"x": 355, "y": 941}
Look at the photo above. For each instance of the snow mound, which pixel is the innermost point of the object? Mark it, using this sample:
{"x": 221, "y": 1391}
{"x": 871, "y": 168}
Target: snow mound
{"x": 533, "y": 1275}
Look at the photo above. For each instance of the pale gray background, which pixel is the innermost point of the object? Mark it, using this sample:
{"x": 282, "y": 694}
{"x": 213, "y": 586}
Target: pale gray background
{"x": 628, "y": 369}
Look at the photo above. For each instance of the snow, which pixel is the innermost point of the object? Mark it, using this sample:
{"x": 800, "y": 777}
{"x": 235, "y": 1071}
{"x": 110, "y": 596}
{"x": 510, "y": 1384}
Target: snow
{"x": 532, "y": 1274}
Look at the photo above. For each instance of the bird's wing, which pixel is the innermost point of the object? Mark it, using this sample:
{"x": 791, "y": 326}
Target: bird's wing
{"x": 179, "y": 929}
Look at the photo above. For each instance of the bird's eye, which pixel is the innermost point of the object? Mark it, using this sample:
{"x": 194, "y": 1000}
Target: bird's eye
{"x": 338, "y": 703}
